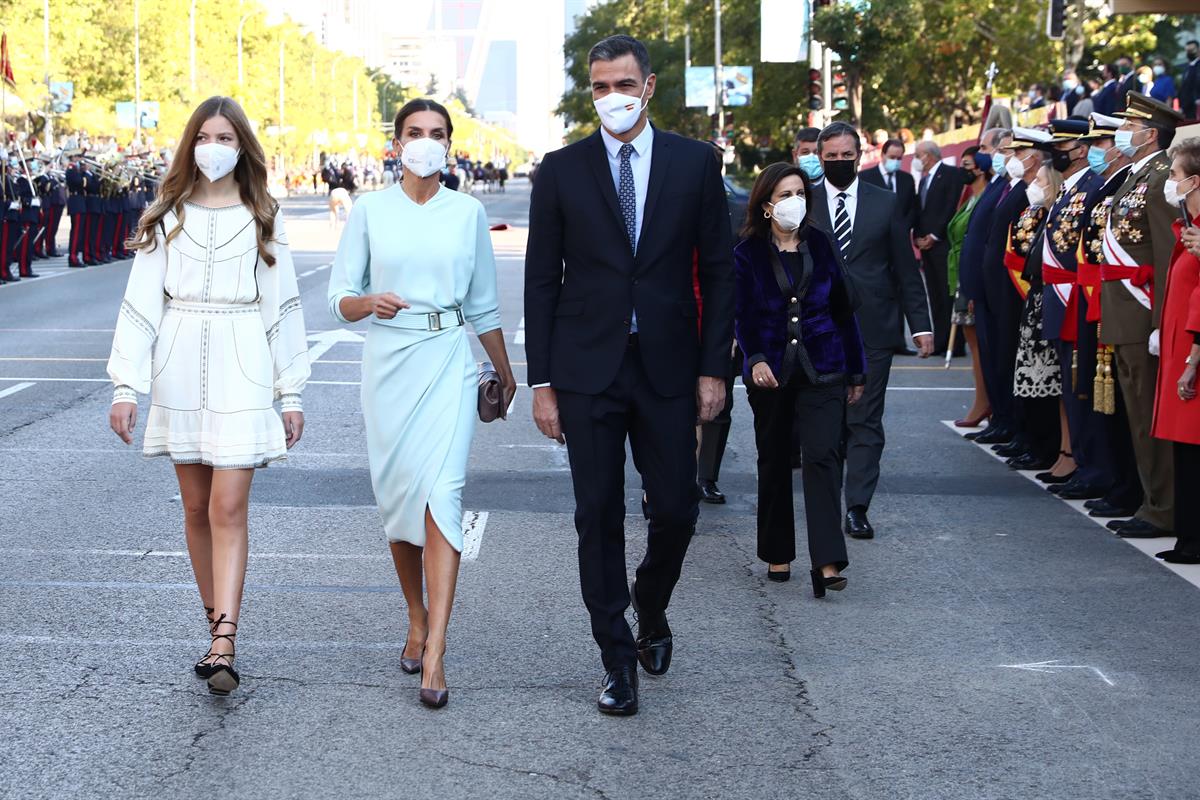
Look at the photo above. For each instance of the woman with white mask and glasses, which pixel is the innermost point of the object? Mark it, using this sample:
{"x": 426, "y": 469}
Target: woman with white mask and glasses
{"x": 211, "y": 327}
{"x": 416, "y": 259}
{"x": 805, "y": 362}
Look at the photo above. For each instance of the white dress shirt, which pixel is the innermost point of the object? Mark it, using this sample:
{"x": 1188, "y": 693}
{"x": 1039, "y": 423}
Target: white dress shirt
{"x": 851, "y": 191}
{"x": 831, "y": 193}
{"x": 639, "y": 162}
{"x": 889, "y": 181}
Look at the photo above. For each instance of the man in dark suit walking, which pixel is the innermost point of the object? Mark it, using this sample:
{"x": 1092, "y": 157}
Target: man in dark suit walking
{"x": 938, "y": 191}
{"x": 888, "y": 175}
{"x": 614, "y": 348}
{"x": 873, "y": 238}
{"x": 1126, "y": 82}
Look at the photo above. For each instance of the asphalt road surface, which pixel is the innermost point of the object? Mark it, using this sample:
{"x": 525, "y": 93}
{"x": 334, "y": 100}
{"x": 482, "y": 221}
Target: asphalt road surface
{"x": 993, "y": 642}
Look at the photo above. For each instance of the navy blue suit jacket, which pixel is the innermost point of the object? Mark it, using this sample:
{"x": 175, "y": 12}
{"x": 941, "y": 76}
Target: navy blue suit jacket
{"x": 970, "y": 261}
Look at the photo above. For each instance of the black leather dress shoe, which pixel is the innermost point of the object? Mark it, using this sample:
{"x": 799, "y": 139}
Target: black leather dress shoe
{"x": 1116, "y": 524}
{"x": 619, "y": 696}
{"x": 1031, "y": 461}
{"x": 1140, "y": 529}
{"x": 654, "y": 640}
{"x": 857, "y": 524}
{"x": 1077, "y": 490}
{"x": 1178, "y": 557}
{"x": 1102, "y": 509}
{"x": 709, "y": 493}
{"x": 995, "y": 435}
{"x": 1010, "y": 449}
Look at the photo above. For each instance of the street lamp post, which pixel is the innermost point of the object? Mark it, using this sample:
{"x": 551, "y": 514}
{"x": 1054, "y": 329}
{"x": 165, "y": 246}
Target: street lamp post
{"x": 192, "y": 45}
{"x": 282, "y": 140}
{"x": 49, "y": 133}
{"x": 137, "y": 72}
{"x": 356, "y": 100}
{"x": 717, "y": 78}
{"x": 241, "y": 25}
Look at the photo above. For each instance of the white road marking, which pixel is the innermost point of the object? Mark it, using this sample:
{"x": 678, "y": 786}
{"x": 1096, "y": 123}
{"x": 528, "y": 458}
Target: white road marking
{"x": 519, "y": 336}
{"x": 11, "y": 390}
{"x": 1053, "y": 666}
{"x": 474, "y": 524}
{"x": 324, "y": 340}
{"x": 259, "y": 644}
{"x": 1189, "y": 572}
{"x": 47, "y": 358}
{"x": 56, "y": 330}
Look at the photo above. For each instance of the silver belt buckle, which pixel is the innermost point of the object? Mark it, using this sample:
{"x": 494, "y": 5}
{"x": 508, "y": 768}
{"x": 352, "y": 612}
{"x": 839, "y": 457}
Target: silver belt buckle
{"x": 435, "y": 321}
{"x": 458, "y": 313}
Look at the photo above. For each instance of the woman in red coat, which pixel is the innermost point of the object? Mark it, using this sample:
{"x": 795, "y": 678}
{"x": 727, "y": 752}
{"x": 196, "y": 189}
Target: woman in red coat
{"x": 1176, "y": 409}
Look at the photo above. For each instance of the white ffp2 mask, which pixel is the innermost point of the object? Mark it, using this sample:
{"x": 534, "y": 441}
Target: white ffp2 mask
{"x": 216, "y": 160}
{"x": 423, "y": 157}
{"x": 619, "y": 112}
{"x": 789, "y": 212}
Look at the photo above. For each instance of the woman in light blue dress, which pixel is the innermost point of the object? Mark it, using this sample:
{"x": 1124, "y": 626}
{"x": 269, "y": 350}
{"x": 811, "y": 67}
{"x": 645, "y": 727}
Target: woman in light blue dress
{"x": 417, "y": 259}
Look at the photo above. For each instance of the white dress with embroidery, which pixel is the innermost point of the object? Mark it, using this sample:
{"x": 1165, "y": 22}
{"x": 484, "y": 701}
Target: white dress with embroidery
{"x": 214, "y": 336}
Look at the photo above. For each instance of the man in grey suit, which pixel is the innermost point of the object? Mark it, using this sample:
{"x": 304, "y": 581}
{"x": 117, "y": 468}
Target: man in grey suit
{"x": 873, "y": 237}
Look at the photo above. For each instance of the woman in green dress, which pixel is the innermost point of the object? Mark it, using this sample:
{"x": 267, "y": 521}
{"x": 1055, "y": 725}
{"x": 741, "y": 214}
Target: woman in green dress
{"x": 964, "y": 311}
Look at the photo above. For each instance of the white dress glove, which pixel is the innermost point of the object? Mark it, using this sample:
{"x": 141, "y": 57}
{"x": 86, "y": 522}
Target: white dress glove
{"x": 1153, "y": 343}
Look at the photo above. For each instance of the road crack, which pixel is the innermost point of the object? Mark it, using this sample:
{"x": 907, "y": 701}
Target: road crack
{"x": 558, "y": 779}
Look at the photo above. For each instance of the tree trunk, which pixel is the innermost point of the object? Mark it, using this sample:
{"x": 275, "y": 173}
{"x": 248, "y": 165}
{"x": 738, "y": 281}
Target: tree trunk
{"x": 854, "y": 84}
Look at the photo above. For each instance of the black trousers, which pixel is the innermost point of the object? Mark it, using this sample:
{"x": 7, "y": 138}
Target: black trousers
{"x": 864, "y": 433}
{"x": 819, "y": 411}
{"x": 662, "y": 435}
{"x": 1187, "y": 498}
{"x": 715, "y": 435}
{"x": 934, "y": 264}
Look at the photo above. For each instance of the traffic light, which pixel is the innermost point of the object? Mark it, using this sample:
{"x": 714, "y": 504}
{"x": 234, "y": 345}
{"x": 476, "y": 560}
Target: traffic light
{"x": 1054, "y": 19}
{"x": 841, "y": 95}
{"x": 816, "y": 98}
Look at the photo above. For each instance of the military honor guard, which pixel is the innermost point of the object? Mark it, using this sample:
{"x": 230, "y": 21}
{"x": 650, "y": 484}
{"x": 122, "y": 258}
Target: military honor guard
{"x": 95, "y": 210}
{"x": 1137, "y": 247}
{"x": 76, "y": 186}
{"x": 10, "y": 229}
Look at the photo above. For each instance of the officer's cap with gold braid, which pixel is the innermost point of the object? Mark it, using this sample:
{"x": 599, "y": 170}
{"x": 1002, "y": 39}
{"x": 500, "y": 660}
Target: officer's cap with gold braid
{"x": 1028, "y": 137}
{"x": 1150, "y": 111}
{"x": 1102, "y": 126}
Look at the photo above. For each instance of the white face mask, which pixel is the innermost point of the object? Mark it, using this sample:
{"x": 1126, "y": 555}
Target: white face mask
{"x": 1171, "y": 192}
{"x": 1015, "y": 168}
{"x": 423, "y": 157}
{"x": 789, "y": 212}
{"x": 216, "y": 160}
{"x": 1035, "y": 193}
{"x": 620, "y": 112}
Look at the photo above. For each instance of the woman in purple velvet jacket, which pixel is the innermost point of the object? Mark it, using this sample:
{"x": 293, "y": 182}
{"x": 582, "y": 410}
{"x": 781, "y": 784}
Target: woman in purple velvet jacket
{"x": 804, "y": 363}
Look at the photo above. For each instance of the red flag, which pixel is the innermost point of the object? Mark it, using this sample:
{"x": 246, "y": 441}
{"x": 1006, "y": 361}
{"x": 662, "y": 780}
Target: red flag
{"x": 6, "y": 63}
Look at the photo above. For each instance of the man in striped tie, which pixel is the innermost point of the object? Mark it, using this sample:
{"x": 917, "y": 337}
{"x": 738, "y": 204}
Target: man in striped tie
{"x": 872, "y": 235}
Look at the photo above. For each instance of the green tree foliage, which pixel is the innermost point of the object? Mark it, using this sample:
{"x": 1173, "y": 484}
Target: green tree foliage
{"x": 92, "y": 44}
{"x": 908, "y": 63}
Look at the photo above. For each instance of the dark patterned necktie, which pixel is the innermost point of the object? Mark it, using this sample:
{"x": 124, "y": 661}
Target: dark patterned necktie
{"x": 891, "y": 181}
{"x": 627, "y": 195}
{"x": 841, "y": 224}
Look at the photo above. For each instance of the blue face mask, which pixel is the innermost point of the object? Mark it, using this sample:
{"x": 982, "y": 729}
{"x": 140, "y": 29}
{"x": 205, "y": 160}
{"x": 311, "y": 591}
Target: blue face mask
{"x": 997, "y": 163}
{"x": 892, "y": 165}
{"x": 1096, "y": 159}
{"x": 983, "y": 161}
{"x": 811, "y": 165}
{"x": 1124, "y": 143}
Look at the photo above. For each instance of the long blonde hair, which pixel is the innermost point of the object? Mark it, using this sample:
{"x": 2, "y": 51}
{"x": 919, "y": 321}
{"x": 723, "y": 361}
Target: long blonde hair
{"x": 180, "y": 181}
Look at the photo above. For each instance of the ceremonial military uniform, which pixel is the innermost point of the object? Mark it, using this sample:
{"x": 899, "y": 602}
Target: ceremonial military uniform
{"x": 53, "y": 205}
{"x": 1137, "y": 247}
{"x": 95, "y": 207}
{"x": 77, "y": 211}
{"x": 30, "y": 216}
{"x": 1060, "y": 299}
{"x": 10, "y": 230}
{"x": 1003, "y": 290}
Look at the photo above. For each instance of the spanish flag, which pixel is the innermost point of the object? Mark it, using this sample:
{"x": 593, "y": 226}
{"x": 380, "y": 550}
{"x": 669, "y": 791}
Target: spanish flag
{"x": 6, "y": 63}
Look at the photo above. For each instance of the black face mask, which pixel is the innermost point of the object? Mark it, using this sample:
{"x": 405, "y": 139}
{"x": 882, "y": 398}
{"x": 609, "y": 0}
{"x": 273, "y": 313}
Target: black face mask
{"x": 839, "y": 173}
{"x": 1191, "y": 55}
{"x": 969, "y": 176}
{"x": 1061, "y": 160}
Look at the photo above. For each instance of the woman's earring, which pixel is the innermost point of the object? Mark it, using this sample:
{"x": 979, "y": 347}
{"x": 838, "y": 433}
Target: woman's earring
{"x": 766, "y": 215}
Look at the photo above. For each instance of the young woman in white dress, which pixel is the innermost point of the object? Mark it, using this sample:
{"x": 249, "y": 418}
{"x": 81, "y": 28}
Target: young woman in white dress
{"x": 417, "y": 260}
{"x": 211, "y": 328}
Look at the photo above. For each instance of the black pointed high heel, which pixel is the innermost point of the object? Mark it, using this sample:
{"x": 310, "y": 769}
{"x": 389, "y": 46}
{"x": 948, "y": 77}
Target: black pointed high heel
{"x": 835, "y": 583}
{"x": 203, "y": 667}
{"x": 433, "y": 698}
{"x": 410, "y": 666}
{"x": 224, "y": 678}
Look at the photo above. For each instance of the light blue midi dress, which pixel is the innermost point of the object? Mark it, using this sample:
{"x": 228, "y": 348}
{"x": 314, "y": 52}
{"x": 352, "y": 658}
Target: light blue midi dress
{"x": 419, "y": 379}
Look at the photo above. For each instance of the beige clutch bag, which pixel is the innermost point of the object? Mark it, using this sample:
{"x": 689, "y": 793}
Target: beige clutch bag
{"x": 491, "y": 394}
